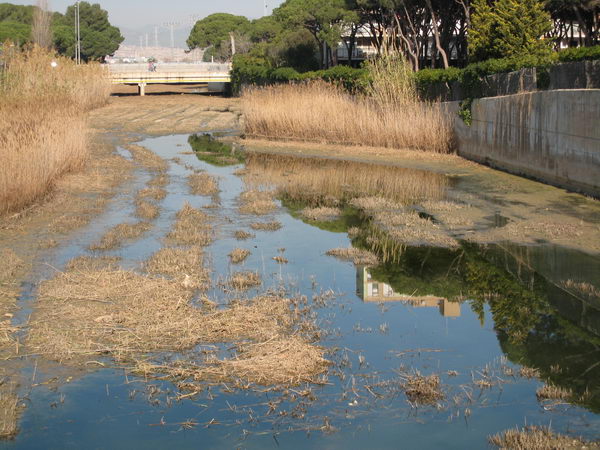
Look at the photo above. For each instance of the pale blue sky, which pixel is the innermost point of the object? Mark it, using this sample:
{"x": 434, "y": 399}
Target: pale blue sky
{"x": 138, "y": 13}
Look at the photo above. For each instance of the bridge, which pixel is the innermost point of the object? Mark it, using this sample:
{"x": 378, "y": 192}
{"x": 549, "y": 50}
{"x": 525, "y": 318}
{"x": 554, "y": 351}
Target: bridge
{"x": 177, "y": 73}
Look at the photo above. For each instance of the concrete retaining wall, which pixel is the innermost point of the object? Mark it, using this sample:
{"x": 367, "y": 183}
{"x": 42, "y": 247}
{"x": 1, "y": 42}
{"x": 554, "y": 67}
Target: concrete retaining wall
{"x": 553, "y": 136}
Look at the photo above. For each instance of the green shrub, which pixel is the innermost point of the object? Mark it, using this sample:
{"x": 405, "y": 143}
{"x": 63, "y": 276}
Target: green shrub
{"x": 284, "y": 74}
{"x": 579, "y": 54}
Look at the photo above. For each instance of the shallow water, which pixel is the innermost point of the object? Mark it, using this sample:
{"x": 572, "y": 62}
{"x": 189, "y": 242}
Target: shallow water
{"x": 514, "y": 309}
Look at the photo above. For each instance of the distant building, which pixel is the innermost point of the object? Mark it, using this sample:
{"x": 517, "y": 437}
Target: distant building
{"x": 371, "y": 290}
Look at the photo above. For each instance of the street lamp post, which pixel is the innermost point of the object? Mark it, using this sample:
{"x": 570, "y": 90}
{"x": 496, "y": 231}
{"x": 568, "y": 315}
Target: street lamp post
{"x": 78, "y": 32}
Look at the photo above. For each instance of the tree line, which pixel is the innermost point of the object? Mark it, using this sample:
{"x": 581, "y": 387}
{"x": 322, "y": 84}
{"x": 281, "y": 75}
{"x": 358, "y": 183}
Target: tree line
{"x": 430, "y": 33}
{"x": 26, "y": 24}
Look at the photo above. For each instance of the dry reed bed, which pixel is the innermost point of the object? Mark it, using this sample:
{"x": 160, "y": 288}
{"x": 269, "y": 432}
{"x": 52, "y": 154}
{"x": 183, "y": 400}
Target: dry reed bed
{"x": 322, "y": 182}
{"x": 9, "y": 413}
{"x": 146, "y": 210}
{"x": 538, "y": 438}
{"x": 266, "y": 226}
{"x": 408, "y": 228}
{"x": 242, "y": 235}
{"x": 191, "y": 228}
{"x": 322, "y": 112}
{"x": 203, "y": 184}
{"x": 43, "y": 129}
{"x": 185, "y": 265}
{"x": 83, "y": 313}
{"x": 154, "y": 193}
{"x": 242, "y": 281}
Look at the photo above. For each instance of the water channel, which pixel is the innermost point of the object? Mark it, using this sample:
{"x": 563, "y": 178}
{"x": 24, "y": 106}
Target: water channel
{"x": 471, "y": 314}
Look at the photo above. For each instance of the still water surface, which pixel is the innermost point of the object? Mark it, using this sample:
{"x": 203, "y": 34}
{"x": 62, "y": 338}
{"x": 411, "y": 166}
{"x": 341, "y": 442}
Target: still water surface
{"x": 514, "y": 310}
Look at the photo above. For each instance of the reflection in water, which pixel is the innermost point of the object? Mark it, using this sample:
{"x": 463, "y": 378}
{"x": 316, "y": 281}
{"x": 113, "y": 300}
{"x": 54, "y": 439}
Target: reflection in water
{"x": 213, "y": 151}
{"x": 372, "y": 290}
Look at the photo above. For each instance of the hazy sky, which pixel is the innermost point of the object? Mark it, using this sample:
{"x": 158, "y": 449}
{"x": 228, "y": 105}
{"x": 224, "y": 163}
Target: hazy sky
{"x": 137, "y": 13}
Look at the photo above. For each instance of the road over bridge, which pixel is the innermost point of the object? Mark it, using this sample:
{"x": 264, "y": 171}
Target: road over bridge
{"x": 176, "y": 73}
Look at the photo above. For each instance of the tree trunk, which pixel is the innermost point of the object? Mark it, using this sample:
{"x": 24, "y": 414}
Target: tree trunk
{"x": 436, "y": 34}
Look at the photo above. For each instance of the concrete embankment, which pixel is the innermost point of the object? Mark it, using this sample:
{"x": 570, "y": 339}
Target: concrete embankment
{"x": 551, "y": 136}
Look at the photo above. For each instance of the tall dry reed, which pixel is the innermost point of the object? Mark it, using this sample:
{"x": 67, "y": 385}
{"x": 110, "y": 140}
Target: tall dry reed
{"x": 43, "y": 131}
{"x": 389, "y": 115}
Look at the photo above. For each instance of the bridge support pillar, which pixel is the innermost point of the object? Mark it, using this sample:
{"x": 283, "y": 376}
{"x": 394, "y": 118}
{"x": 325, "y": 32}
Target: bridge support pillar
{"x": 142, "y": 89}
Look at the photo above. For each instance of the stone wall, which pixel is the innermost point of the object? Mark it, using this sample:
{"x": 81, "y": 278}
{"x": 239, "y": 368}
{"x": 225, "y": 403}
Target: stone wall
{"x": 552, "y": 136}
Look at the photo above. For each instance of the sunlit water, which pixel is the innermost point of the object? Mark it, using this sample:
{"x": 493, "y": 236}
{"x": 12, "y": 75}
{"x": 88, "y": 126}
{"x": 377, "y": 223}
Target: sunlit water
{"x": 372, "y": 340}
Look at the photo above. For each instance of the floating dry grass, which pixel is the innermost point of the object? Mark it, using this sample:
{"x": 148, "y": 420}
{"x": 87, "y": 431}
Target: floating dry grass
{"x": 319, "y": 182}
{"x": 116, "y": 236}
{"x": 146, "y": 210}
{"x": 538, "y": 438}
{"x": 159, "y": 180}
{"x": 280, "y": 260}
{"x": 148, "y": 159}
{"x": 357, "y": 256}
{"x": 422, "y": 390}
{"x": 373, "y": 204}
{"x": 409, "y": 228}
{"x": 67, "y": 223}
{"x": 154, "y": 193}
{"x": 529, "y": 372}
{"x": 9, "y": 413}
{"x": 322, "y": 213}
{"x": 241, "y": 281}
{"x": 257, "y": 202}
{"x": 185, "y": 265}
{"x": 242, "y": 235}
{"x": 238, "y": 255}
{"x": 90, "y": 263}
{"x": 191, "y": 227}
{"x": 323, "y": 112}
{"x": 266, "y": 226}
{"x": 203, "y": 184}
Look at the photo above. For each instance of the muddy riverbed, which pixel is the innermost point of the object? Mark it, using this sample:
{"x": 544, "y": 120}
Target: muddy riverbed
{"x": 256, "y": 299}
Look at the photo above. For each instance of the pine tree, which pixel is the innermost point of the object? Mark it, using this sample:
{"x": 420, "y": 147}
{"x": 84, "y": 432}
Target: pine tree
{"x": 509, "y": 28}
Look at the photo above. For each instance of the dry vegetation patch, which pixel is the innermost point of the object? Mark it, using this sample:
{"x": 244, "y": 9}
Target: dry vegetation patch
{"x": 148, "y": 159}
{"x": 324, "y": 112}
{"x": 537, "y": 438}
{"x": 257, "y": 202}
{"x": 357, "y": 256}
{"x": 203, "y": 184}
{"x": 67, "y": 223}
{"x": 266, "y": 226}
{"x": 553, "y": 392}
{"x": 89, "y": 263}
{"x": 321, "y": 213}
{"x": 373, "y": 204}
{"x": 242, "y": 235}
{"x": 191, "y": 227}
{"x": 407, "y": 227}
{"x": 154, "y": 193}
{"x": 185, "y": 265}
{"x": 241, "y": 281}
{"x": 422, "y": 390}
{"x": 9, "y": 413}
{"x": 238, "y": 255}
{"x": 116, "y": 236}
{"x": 146, "y": 210}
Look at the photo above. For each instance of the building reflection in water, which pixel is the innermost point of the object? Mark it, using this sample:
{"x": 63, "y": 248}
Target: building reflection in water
{"x": 371, "y": 290}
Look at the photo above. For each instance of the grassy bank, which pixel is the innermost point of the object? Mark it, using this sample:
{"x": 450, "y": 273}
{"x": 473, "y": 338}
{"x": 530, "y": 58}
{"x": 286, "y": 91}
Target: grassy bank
{"x": 43, "y": 131}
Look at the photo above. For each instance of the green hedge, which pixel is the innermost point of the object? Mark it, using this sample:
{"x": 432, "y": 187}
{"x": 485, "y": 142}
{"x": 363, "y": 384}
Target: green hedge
{"x": 579, "y": 54}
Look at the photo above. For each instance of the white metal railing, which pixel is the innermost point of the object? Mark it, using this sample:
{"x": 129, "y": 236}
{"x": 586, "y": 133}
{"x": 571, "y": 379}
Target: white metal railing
{"x": 171, "y": 68}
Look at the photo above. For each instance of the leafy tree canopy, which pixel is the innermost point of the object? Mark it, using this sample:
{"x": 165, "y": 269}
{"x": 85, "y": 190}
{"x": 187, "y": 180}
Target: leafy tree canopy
{"x": 19, "y": 33}
{"x": 214, "y": 29}
{"x": 16, "y": 13}
{"x": 508, "y": 28}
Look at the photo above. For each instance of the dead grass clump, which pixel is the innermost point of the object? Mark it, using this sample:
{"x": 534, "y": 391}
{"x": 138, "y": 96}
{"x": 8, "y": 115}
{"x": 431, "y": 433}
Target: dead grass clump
{"x": 148, "y": 158}
{"x": 11, "y": 265}
{"x": 203, "y": 184}
{"x": 324, "y": 112}
{"x": 242, "y": 235}
{"x": 9, "y": 413}
{"x": 553, "y": 392}
{"x": 529, "y": 372}
{"x": 407, "y": 227}
{"x": 241, "y": 281}
{"x": 66, "y": 224}
{"x": 160, "y": 180}
{"x": 319, "y": 182}
{"x": 280, "y": 259}
{"x": 116, "y": 236}
{"x": 146, "y": 210}
{"x": 89, "y": 263}
{"x": 238, "y": 255}
{"x": 373, "y": 204}
{"x": 537, "y": 438}
{"x": 422, "y": 390}
{"x": 584, "y": 288}
{"x": 321, "y": 213}
{"x": 185, "y": 265}
{"x": 257, "y": 202}
{"x": 357, "y": 256}
{"x": 266, "y": 226}
{"x": 155, "y": 193}
{"x": 191, "y": 228}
